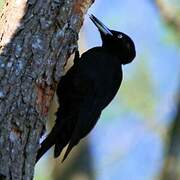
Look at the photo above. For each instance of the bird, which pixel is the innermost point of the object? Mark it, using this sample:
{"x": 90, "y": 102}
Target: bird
{"x": 87, "y": 88}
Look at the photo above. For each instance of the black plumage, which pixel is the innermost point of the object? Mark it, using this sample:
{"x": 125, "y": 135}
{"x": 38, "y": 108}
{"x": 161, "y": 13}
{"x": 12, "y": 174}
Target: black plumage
{"x": 87, "y": 88}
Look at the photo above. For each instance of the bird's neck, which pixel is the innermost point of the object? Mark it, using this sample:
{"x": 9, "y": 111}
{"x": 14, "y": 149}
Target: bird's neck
{"x": 109, "y": 50}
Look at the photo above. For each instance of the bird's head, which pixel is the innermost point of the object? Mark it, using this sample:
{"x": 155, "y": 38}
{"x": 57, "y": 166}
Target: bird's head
{"x": 118, "y": 43}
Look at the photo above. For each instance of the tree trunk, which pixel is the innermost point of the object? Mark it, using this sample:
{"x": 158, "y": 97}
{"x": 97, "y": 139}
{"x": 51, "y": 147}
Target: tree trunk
{"x": 36, "y": 38}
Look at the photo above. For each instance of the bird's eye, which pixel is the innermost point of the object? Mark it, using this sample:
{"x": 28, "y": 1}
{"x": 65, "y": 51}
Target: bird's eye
{"x": 120, "y": 36}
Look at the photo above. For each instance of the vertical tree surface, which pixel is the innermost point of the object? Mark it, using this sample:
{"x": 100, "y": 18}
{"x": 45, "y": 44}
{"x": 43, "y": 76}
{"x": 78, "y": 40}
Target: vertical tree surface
{"x": 36, "y": 39}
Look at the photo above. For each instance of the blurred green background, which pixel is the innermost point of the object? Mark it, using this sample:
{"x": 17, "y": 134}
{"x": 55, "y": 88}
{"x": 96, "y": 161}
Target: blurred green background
{"x": 138, "y": 134}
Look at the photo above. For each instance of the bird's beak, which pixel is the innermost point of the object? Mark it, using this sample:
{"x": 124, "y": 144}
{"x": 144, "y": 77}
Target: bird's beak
{"x": 102, "y": 28}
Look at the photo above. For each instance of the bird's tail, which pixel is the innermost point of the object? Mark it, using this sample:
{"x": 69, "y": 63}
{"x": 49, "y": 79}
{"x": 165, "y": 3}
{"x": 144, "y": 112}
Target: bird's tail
{"x": 45, "y": 145}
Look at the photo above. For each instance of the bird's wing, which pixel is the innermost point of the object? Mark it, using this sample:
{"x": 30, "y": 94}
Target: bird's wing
{"x": 78, "y": 108}
{"x": 88, "y": 109}
{"x": 85, "y": 91}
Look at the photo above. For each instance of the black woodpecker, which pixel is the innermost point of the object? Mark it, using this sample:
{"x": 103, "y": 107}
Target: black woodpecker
{"x": 87, "y": 88}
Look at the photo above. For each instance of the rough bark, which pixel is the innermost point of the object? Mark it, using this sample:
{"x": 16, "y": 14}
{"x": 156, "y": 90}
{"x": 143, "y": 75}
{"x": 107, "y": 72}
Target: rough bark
{"x": 36, "y": 38}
